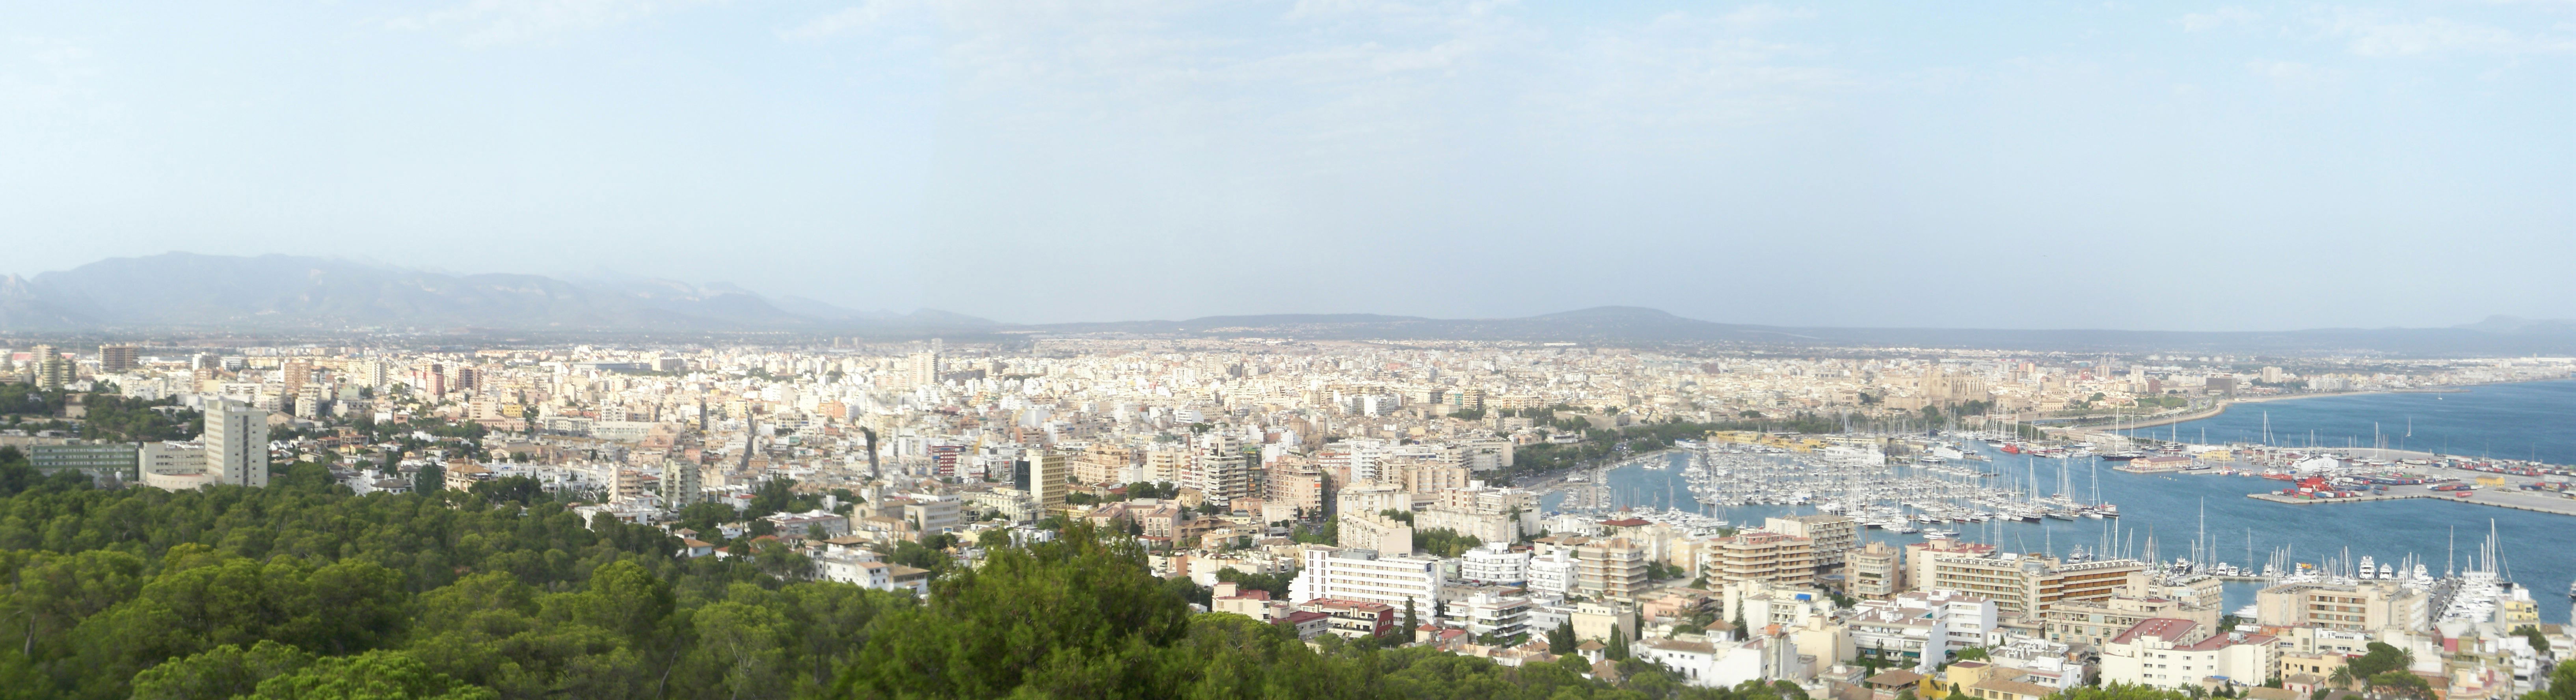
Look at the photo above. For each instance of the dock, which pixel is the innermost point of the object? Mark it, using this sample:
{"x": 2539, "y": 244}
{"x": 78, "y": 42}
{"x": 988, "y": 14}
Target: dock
{"x": 2501, "y": 499}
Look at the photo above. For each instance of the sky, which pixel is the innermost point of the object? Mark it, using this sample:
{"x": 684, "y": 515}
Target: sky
{"x": 2170, "y": 166}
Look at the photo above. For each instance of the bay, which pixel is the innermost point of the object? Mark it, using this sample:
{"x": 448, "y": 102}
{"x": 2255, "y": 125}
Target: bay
{"x": 2525, "y": 420}
{"x": 2539, "y": 548}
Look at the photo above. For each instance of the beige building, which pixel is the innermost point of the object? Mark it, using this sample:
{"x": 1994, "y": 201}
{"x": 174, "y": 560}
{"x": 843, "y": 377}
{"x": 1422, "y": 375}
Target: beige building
{"x": 2366, "y": 606}
{"x": 2023, "y": 585}
{"x": 1296, "y": 483}
{"x": 1376, "y": 533}
{"x": 1613, "y": 569}
{"x": 1049, "y": 479}
{"x": 1490, "y": 514}
{"x": 1787, "y": 560}
{"x": 1103, "y": 463}
{"x": 2096, "y": 622}
{"x": 1874, "y": 572}
{"x": 1832, "y": 534}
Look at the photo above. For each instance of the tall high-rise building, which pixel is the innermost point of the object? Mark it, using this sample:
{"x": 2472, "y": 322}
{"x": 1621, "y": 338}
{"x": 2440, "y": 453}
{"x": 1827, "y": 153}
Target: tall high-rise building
{"x": 1047, "y": 472}
{"x": 48, "y": 368}
{"x": 298, "y": 370}
{"x": 236, "y": 441}
{"x": 681, "y": 484}
{"x": 115, "y": 358}
{"x": 922, "y": 368}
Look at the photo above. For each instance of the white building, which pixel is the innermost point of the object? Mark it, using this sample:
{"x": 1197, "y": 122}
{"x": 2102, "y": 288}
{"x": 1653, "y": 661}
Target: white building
{"x": 1920, "y": 629}
{"x": 1716, "y": 664}
{"x": 1363, "y": 575}
{"x": 1552, "y": 572}
{"x": 2170, "y": 653}
{"x": 236, "y": 441}
{"x": 1494, "y": 564}
{"x": 1486, "y": 613}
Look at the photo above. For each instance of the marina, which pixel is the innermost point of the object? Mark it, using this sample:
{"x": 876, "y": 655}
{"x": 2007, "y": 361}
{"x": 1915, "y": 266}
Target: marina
{"x": 2197, "y": 526}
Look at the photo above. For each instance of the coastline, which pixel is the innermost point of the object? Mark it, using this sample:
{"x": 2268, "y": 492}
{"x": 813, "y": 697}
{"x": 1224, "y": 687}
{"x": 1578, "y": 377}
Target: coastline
{"x": 2221, "y": 407}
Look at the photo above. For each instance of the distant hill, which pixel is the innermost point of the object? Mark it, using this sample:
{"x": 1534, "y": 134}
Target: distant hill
{"x": 1629, "y": 324}
{"x": 188, "y": 290}
{"x": 296, "y": 293}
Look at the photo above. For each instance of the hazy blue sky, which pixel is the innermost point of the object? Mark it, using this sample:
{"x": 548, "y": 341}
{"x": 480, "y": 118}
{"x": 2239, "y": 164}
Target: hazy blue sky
{"x": 2095, "y": 164}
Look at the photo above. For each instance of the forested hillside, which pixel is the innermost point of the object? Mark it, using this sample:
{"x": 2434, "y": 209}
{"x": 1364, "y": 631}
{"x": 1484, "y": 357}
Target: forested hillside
{"x": 303, "y": 591}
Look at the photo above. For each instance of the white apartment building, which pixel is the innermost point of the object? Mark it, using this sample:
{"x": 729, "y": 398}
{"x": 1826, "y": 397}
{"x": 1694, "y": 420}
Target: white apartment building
{"x": 1486, "y": 613}
{"x": 1552, "y": 572}
{"x": 1494, "y": 564}
{"x": 1364, "y": 575}
{"x": 1760, "y": 603}
{"x": 236, "y": 441}
{"x": 1919, "y": 629}
{"x": 2171, "y": 653}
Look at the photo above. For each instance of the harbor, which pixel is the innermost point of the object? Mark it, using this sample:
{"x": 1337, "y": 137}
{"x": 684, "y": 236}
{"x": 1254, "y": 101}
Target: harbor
{"x": 2204, "y": 526}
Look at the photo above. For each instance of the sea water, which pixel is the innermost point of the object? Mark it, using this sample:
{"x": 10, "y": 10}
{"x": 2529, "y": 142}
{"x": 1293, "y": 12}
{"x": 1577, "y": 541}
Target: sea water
{"x": 2539, "y": 548}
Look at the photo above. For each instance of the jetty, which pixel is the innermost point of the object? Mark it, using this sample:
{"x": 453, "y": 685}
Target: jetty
{"x": 2517, "y": 500}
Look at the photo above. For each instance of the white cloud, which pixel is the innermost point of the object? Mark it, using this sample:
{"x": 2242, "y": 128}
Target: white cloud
{"x": 494, "y": 22}
{"x": 2377, "y": 33}
{"x": 2230, "y": 16}
{"x": 2288, "y": 72}
{"x": 848, "y": 19}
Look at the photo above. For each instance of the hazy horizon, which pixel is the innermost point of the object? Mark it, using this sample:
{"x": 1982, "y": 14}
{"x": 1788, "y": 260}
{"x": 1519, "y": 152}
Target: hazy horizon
{"x": 2222, "y": 166}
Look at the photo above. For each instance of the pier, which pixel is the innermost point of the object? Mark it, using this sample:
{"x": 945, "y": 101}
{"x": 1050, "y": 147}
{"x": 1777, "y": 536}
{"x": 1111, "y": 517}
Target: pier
{"x": 2517, "y": 500}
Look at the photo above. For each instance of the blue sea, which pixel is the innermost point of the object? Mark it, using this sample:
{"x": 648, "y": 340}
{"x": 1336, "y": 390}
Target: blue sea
{"x": 2539, "y": 548}
{"x": 2528, "y": 420}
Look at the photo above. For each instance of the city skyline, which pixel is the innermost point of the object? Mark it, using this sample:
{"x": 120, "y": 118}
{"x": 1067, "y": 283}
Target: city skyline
{"x": 2213, "y": 167}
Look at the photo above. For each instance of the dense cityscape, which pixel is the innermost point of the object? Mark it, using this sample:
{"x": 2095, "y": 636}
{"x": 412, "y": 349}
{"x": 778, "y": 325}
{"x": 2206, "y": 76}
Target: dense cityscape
{"x": 1383, "y": 494}
{"x": 1287, "y": 350}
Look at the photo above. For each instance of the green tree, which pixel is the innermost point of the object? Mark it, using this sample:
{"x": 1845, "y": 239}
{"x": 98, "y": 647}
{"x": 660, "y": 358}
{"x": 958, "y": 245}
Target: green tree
{"x": 1066, "y": 618}
{"x": 510, "y": 489}
{"x": 2539, "y": 641}
{"x": 1561, "y": 640}
{"x": 222, "y": 672}
{"x": 375, "y": 675}
{"x": 2400, "y": 684}
{"x": 2378, "y": 658}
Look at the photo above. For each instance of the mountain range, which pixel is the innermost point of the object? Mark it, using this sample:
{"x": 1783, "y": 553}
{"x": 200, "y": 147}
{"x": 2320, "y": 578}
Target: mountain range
{"x": 282, "y": 293}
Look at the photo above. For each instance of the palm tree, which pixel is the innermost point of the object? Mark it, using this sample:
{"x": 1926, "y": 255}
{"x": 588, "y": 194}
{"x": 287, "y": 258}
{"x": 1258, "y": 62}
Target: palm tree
{"x": 2341, "y": 678}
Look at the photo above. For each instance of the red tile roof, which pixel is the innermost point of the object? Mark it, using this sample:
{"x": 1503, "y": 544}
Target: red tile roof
{"x": 2161, "y": 627}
